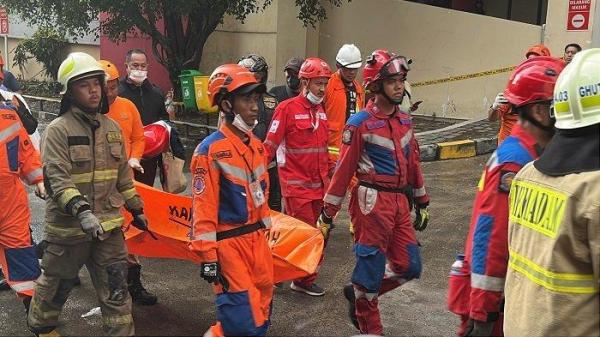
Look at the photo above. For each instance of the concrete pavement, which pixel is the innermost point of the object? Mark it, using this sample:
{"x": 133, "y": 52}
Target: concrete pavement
{"x": 186, "y": 303}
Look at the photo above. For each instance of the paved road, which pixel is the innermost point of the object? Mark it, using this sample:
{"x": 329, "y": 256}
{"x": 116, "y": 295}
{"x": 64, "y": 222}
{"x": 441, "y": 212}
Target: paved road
{"x": 186, "y": 302}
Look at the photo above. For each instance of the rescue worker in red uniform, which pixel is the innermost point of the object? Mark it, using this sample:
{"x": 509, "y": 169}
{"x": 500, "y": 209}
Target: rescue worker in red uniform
{"x": 230, "y": 209}
{"x": 299, "y": 134}
{"x": 18, "y": 161}
{"x": 476, "y": 292}
{"x": 379, "y": 147}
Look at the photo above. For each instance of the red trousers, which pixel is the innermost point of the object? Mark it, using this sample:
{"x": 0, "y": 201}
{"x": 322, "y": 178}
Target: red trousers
{"x": 386, "y": 248}
{"x": 17, "y": 254}
{"x": 306, "y": 210}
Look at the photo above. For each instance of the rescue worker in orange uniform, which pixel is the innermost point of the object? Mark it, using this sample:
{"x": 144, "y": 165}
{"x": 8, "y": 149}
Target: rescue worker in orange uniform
{"x": 344, "y": 95}
{"x": 300, "y": 127}
{"x": 18, "y": 161}
{"x": 500, "y": 109}
{"x": 378, "y": 145}
{"x": 230, "y": 209}
{"x": 126, "y": 114}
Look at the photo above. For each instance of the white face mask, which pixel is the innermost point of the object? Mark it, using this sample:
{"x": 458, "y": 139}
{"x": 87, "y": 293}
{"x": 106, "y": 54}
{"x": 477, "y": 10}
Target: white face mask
{"x": 138, "y": 76}
{"x": 313, "y": 98}
{"x": 239, "y": 123}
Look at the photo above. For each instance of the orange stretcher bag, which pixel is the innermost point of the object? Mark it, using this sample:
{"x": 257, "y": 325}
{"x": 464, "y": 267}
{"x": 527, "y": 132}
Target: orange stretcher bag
{"x": 296, "y": 246}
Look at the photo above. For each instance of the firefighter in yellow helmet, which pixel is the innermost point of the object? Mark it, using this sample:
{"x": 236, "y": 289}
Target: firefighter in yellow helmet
{"x": 88, "y": 181}
{"x": 554, "y": 231}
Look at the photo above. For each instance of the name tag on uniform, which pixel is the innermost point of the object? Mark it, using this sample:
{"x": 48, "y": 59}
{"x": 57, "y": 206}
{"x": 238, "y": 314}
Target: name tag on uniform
{"x": 302, "y": 116}
{"x": 258, "y": 196}
{"x": 323, "y": 116}
{"x": 113, "y": 137}
{"x": 375, "y": 124}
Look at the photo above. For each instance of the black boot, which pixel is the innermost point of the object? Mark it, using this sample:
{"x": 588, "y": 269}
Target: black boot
{"x": 139, "y": 294}
{"x": 3, "y": 284}
{"x": 349, "y": 295}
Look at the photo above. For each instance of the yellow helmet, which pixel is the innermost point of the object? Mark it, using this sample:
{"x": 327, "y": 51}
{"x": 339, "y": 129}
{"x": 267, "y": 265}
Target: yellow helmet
{"x": 77, "y": 66}
{"x": 577, "y": 92}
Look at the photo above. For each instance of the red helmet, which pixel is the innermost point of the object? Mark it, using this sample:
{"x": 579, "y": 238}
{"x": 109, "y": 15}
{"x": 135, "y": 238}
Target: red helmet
{"x": 538, "y": 50}
{"x": 533, "y": 80}
{"x": 383, "y": 64}
{"x": 229, "y": 78}
{"x": 314, "y": 67}
{"x": 157, "y": 140}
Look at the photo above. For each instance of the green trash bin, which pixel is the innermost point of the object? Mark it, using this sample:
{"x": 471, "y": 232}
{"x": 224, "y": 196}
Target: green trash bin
{"x": 188, "y": 92}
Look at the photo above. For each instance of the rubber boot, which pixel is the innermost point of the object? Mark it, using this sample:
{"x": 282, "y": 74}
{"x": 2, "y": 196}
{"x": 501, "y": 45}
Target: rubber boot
{"x": 139, "y": 294}
{"x": 3, "y": 284}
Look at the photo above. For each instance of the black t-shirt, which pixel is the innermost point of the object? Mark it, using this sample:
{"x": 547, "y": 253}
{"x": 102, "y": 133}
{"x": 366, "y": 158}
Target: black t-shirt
{"x": 350, "y": 100}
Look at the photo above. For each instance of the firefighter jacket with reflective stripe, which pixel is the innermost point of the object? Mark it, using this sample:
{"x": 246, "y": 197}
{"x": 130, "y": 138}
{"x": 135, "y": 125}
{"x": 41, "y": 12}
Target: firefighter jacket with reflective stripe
{"x": 335, "y": 103}
{"x": 554, "y": 265}
{"x": 298, "y": 134}
{"x": 229, "y": 188}
{"x": 84, "y": 161}
{"x": 124, "y": 112}
{"x": 486, "y": 250}
{"x": 382, "y": 150}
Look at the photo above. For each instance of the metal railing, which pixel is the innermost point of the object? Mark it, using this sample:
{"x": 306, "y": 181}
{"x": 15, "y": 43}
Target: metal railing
{"x": 46, "y": 108}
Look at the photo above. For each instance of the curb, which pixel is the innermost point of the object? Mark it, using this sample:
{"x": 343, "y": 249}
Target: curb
{"x": 458, "y": 149}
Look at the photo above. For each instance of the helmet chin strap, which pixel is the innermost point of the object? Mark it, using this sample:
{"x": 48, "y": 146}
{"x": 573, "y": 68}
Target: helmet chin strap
{"x": 391, "y": 100}
{"x": 547, "y": 128}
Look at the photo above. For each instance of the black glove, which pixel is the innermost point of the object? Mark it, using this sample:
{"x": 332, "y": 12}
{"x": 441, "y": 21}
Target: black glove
{"x": 422, "y": 217}
{"x": 325, "y": 223}
{"x": 479, "y": 328}
{"x": 140, "y": 222}
{"x": 211, "y": 272}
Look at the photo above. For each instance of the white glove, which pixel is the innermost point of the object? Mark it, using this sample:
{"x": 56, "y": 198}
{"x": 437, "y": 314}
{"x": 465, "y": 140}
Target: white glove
{"x": 500, "y": 99}
{"x": 134, "y": 163}
{"x": 90, "y": 224}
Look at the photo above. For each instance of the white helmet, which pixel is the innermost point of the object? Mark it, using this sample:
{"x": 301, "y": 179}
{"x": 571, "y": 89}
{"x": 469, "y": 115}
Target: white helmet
{"x": 77, "y": 66}
{"x": 577, "y": 92}
{"x": 349, "y": 57}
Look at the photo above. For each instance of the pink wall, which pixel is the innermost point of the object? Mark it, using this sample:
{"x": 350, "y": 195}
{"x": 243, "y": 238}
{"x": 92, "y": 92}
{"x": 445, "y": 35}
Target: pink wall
{"x": 157, "y": 74}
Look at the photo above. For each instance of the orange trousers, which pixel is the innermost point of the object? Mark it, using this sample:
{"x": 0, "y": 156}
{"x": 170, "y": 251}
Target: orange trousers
{"x": 17, "y": 254}
{"x": 245, "y": 308}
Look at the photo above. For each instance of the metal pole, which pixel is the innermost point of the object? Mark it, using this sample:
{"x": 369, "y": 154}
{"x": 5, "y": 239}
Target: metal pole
{"x": 6, "y": 63}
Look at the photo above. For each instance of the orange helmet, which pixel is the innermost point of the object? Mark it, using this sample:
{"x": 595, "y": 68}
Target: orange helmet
{"x": 232, "y": 78}
{"x": 110, "y": 69}
{"x": 538, "y": 50}
{"x": 314, "y": 67}
{"x": 157, "y": 140}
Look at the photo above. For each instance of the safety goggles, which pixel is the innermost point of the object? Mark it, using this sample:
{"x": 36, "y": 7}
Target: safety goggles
{"x": 395, "y": 66}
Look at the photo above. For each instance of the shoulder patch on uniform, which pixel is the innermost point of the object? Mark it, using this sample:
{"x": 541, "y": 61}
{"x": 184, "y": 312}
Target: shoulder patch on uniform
{"x": 274, "y": 126}
{"x": 199, "y": 184}
{"x": 114, "y": 137}
{"x": 347, "y": 136}
{"x": 269, "y": 101}
{"x": 511, "y": 150}
{"x": 357, "y": 119}
{"x": 506, "y": 178}
{"x": 221, "y": 155}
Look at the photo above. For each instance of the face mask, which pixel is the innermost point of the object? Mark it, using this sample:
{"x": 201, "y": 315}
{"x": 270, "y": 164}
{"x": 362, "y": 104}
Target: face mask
{"x": 138, "y": 76}
{"x": 239, "y": 123}
{"x": 293, "y": 82}
{"x": 313, "y": 98}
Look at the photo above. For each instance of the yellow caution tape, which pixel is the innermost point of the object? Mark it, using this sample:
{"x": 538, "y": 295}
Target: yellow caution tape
{"x": 463, "y": 77}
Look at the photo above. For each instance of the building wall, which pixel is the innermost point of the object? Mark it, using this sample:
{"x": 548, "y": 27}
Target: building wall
{"x": 441, "y": 42}
{"x": 34, "y": 70}
{"x": 556, "y": 35}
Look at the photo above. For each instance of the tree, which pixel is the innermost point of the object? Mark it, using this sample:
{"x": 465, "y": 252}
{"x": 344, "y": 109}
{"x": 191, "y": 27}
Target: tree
{"x": 47, "y": 46}
{"x": 187, "y": 23}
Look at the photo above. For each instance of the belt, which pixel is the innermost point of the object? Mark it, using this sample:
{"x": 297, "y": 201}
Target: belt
{"x": 240, "y": 231}
{"x": 406, "y": 190}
